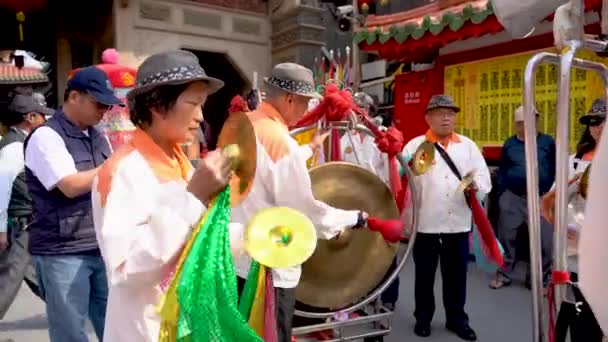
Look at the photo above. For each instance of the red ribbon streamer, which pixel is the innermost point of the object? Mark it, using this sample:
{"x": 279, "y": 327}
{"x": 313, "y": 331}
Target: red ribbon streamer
{"x": 557, "y": 278}
{"x": 270, "y": 319}
{"x": 391, "y": 230}
{"x": 485, "y": 229}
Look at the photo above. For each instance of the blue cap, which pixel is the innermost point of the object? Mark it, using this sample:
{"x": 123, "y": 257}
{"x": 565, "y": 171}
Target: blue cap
{"x": 95, "y": 82}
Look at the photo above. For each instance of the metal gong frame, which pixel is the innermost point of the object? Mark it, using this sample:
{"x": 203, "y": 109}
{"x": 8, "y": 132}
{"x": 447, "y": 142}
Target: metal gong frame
{"x": 379, "y": 312}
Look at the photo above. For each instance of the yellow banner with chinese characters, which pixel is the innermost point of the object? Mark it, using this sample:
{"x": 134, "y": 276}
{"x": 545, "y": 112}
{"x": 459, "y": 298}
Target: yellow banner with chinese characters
{"x": 488, "y": 92}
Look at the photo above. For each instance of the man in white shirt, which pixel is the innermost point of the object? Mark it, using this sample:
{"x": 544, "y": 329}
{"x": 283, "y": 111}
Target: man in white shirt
{"x": 15, "y": 202}
{"x": 445, "y": 219}
{"x": 281, "y": 179}
{"x": 62, "y": 157}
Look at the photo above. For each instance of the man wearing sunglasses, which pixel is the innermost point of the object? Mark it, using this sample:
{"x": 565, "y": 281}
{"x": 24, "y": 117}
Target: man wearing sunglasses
{"x": 61, "y": 159}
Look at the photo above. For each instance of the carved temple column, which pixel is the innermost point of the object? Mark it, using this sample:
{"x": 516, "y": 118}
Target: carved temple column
{"x": 297, "y": 28}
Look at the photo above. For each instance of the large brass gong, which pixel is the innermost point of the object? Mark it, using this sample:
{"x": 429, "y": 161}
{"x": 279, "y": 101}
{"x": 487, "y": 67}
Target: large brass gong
{"x": 344, "y": 270}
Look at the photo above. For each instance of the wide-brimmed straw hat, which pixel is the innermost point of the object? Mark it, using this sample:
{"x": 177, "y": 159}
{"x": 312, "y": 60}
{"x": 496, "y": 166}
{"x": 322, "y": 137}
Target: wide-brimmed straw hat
{"x": 293, "y": 78}
{"x": 596, "y": 115}
{"x": 172, "y": 68}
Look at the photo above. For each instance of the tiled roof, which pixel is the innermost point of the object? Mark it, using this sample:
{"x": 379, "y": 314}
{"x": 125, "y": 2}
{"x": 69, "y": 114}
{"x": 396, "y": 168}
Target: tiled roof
{"x": 416, "y": 23}
{"x": 10, "y": 74}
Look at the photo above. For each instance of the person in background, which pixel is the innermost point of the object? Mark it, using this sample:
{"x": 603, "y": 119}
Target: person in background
{"x": 512, "y": 203}
{"x": 360, "y": 148}
{"x": 15, "y": 201}
{"x": 41, "y": 101}
{"x": 582, "y": 326}
{"x": 61, "y": 159}
{"x": 445, "y": 218}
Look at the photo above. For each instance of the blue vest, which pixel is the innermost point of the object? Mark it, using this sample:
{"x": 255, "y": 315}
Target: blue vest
{"x": 63, "y": 225}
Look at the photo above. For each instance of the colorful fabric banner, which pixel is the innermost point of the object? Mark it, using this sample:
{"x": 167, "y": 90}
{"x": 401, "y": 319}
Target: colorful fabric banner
{"x": 489, "y": 91}
{"x": 203, "y": 293}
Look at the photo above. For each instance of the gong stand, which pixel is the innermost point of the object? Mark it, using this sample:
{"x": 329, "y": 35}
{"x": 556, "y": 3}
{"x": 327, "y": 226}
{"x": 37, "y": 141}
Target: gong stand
{"x": 375, "y": 314}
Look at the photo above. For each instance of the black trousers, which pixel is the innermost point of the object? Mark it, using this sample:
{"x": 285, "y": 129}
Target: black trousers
{"x": 16, "y": 265}
{"x": 452, "y": 250}
{"x": 285, "y": 306}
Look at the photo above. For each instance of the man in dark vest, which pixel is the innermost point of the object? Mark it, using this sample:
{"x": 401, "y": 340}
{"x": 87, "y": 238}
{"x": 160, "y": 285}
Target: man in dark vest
{"x": 15, "y": 202}
{"x": 61, "y": 159}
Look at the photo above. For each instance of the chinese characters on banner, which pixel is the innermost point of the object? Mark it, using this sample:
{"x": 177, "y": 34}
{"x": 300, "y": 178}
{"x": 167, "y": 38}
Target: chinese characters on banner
{"x": 490, "y": 90}
{"x": 411, "y": 97}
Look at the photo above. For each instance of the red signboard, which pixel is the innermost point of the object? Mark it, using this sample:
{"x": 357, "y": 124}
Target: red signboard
{"x": 412, "y": 94}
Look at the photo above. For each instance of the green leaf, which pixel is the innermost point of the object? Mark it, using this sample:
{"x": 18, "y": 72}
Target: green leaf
{"x": 447, "y": 18}
{"x": 418, "y": 33}
{"x": 437, "y": 28}
{"x": 426, "y": 23}
{"x": 468, "y": 12}
{"x": 457, "y": 23}
{"x": 393, "y": 30}
{"x": 409, "y": 28}
{"x": 490, "y": 7}
{"x": 360, "y": 37}
{"x": 371, "y": 38}
{"x": 478, "y": 18}
{"x": 401, "y": 36}
{"x": 384, "y": 37}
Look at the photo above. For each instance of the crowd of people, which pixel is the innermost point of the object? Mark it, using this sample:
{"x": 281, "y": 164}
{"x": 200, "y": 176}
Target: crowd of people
{"x": 96, "y": 232}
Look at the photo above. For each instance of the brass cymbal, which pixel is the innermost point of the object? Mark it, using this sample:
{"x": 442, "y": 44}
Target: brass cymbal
{"x": 466, "y": 181}
{"x": 347, "y": 268}
{"x": 423, "y": 158}
{"x": 280, "y": 237}
{"x": 238, "y": 130}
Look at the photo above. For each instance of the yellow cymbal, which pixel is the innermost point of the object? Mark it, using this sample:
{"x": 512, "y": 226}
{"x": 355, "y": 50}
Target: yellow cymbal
{"x": 423, "y": 158}
{"x": 280, "y": 237}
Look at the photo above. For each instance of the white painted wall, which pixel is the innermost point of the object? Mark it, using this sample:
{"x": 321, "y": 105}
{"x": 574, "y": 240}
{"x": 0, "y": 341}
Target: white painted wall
{"x": 136, "y": 37}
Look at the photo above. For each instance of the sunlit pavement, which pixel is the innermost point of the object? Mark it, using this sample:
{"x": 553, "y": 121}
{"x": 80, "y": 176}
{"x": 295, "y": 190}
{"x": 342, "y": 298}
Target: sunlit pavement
{"x": 496, "y": 315}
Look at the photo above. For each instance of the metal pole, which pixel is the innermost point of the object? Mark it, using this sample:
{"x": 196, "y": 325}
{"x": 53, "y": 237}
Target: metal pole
{"x": 374, "y": 82}
{"x": 533, "y": 196}
{"x": 531, "y": 167}
{"x": 356, "y": 55}
{"x": 560, "y": 259}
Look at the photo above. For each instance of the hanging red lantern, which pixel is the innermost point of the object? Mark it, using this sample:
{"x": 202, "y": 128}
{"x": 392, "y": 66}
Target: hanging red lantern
{"x": 364, "y": 5}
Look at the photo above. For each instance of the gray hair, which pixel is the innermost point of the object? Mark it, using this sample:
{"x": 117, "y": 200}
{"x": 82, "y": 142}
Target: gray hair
{"x": 273, "y": 92}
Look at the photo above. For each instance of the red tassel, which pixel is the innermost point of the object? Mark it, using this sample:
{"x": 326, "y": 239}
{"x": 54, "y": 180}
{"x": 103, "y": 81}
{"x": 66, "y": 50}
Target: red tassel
{"x": 485, "y": 229}
{"x": 270, "y": 319}
{"x": 335, "y": 106}
{"x": 238, "y": 104}
{"x": 391, "y": 230}
{"x": 391, "y": 142}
